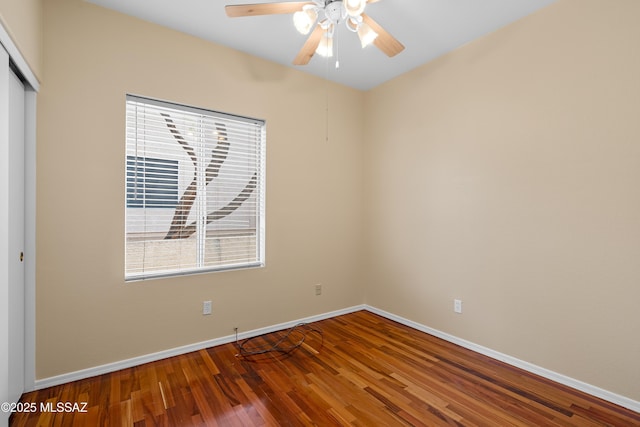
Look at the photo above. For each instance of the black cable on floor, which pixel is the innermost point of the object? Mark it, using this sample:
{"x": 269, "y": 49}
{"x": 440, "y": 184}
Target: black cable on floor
{"x": 298, "y": 332}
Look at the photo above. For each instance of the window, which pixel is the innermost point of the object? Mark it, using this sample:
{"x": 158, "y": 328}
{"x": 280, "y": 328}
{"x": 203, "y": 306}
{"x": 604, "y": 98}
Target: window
{"x": 152, "y": 183}
{"x": 194, "y": 190}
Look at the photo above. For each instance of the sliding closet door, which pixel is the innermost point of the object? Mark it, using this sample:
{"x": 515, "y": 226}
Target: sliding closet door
{"x": 16, "y": 236}
{"x": 12, "y": 190}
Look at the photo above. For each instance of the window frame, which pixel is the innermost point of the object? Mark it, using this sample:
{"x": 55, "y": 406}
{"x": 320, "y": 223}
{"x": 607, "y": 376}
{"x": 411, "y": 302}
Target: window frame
{"x": 257, "y": 192}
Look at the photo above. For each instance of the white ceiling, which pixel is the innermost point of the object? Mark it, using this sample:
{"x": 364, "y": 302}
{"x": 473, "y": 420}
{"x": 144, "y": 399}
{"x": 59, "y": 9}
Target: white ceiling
{"x": 427, "y": 28}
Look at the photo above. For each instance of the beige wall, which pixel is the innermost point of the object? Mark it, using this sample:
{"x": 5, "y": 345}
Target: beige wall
{"x": 507, "y": 174}
{"x": 23, "y": 21}
{"x": 86, "y": 314}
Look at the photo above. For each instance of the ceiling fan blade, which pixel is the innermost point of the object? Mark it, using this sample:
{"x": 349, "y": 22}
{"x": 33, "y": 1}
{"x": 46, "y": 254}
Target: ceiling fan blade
{"x": 385, "y": 41}
{"x": 238, "y": 10}
{"x": 309, "y": 47}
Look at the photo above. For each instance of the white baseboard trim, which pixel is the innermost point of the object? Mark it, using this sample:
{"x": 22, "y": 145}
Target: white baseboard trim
{"x": 135, "y": 361}
{"x": 529, "y": 367}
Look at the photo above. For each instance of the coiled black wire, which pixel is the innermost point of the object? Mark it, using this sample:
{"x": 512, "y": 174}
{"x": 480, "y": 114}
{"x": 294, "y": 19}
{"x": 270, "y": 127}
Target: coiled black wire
{"x": 285, "y": 344}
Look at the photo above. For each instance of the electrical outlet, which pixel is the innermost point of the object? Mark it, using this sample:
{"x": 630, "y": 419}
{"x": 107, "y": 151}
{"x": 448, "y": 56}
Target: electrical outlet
{"x": 206, "y": 307}
{"x": 319, "y": 289}
{"x": 457, "y": 305}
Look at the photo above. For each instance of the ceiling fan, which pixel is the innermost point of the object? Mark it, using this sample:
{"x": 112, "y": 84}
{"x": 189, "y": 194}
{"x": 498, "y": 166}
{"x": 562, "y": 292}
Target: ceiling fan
{"x": 323, "y": 16}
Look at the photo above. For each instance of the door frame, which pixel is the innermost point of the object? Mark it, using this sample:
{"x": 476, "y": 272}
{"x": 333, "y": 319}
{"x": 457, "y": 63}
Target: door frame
{"x": 32, "y": 86}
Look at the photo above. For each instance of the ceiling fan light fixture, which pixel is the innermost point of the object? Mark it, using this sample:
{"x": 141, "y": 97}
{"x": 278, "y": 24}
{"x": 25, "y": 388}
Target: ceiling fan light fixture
{"x": 366, "y": 34}
{"x": 353, "y": 23}
{"x": 325, "y": 48}
{"x": 354, "y": 7}
{"x": 304, "y": 19}
{"x": 318, "y": 19}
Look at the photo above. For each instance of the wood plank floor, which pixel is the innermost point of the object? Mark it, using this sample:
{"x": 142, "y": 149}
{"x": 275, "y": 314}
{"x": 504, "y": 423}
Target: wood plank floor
{"x": 365, "y": 371}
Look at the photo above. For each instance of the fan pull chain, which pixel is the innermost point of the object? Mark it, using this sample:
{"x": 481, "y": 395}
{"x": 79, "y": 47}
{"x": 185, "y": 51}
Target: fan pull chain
{"x": 337, "y": 49}
{"x": 326, "y": 81}
{"x": 327, "y": 104}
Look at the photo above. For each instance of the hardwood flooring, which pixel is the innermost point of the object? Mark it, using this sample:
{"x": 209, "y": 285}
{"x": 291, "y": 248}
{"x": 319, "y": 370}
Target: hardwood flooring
{"x": 366, "y": 371}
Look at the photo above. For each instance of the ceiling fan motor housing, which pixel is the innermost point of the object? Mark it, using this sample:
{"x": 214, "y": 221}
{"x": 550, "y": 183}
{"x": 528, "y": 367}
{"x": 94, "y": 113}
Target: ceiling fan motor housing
{"x": 334, "y": 11}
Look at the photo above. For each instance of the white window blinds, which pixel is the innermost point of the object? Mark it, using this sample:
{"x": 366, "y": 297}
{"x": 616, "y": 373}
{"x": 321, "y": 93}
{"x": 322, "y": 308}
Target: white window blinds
{"x": 194, "y": 190}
